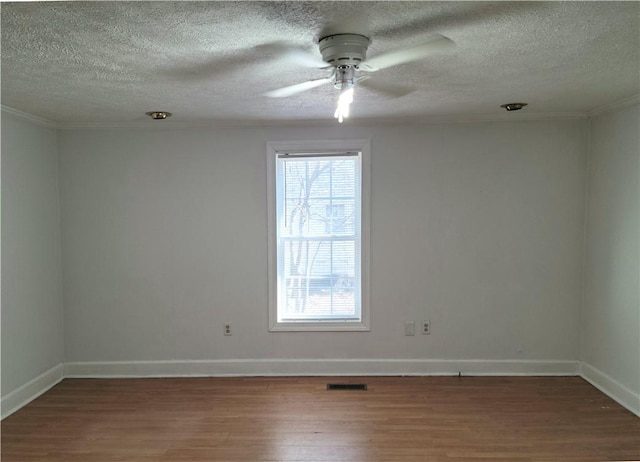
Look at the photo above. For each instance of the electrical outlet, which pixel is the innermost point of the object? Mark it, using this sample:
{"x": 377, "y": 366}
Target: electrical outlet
{"x": 227, "y": 328}
{"x": 410, "y": 328}
{"x": 426, "y": 327}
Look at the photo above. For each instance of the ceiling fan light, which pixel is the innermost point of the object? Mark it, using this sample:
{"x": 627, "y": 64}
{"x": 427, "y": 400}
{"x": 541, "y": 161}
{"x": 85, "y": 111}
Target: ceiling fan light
{"x": 344, "y": 103}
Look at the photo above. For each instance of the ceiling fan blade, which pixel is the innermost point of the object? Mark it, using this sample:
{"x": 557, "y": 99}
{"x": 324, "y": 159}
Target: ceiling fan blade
{"x": 388, "y": 89}
{"x": 304, "y": 58}
{"x": 292, "y": 54}
{"x": 297, "y": 88}
{"x": 405, "y": 55}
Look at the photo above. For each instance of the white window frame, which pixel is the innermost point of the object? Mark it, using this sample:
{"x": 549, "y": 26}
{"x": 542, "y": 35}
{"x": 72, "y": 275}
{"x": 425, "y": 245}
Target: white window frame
{"x": 274, "y": 148}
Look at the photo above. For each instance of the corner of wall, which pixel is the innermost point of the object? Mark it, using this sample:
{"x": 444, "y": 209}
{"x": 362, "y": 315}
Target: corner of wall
{"x": 56, "y": 133}
{"x": 585, "y": 234}
{"x": 32, "y": 140}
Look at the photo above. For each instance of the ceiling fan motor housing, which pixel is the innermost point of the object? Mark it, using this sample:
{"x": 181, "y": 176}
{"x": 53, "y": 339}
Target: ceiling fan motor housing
{"x": 344, "y": 49}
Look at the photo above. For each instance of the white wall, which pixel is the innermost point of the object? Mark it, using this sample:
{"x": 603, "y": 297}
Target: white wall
{"x": 32, "y": 333}
{"x": 611, "y": 318}
{"x": 476, "y": 226}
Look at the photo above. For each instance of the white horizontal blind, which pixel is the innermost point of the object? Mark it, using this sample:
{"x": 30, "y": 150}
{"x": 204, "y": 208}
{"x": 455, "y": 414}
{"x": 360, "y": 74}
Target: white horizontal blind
{"x": 318, "y": 207}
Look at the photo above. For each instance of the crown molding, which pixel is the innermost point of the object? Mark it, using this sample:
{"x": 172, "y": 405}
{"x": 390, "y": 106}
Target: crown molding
{"x": 30, "y": 117}
{"x": 328, "y": 122}
{"x": 627, "y": 102}
{"x": 477, "y": 118}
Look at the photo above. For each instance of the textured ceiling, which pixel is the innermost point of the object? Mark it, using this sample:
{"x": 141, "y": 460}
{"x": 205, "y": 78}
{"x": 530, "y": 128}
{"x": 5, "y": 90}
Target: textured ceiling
{"x": 83, "y": 63}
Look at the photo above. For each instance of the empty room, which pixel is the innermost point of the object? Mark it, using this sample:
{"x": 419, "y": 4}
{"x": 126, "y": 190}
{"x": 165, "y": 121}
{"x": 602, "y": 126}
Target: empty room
{"x": 320, "y": 231}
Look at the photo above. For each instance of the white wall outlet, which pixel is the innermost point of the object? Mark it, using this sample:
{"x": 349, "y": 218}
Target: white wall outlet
{"x": 227, "y": 328}
{"x": 426, "y": 327}
{"x": 410, "y": 328}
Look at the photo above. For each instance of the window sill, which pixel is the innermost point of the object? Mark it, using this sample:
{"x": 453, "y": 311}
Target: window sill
{"x": 328, "y": 326}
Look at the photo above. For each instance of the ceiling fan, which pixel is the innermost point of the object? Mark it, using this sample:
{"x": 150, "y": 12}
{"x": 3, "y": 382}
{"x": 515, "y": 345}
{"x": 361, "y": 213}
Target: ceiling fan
{"x": 344, "y": 56}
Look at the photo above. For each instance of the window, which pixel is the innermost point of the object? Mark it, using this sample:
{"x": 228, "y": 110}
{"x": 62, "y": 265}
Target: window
{"x": 318, "y": 235}
{"x": 335, "y": 218}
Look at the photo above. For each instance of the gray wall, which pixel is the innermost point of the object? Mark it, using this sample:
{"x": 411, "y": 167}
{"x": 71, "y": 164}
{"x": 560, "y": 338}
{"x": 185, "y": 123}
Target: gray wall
{"x": 611, "y": 317}
{"x": 478, "y": 227}
{"x": 32, "y": 333}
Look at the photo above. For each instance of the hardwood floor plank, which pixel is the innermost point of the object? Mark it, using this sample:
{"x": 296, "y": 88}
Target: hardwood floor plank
{"x": 398, "y": 419}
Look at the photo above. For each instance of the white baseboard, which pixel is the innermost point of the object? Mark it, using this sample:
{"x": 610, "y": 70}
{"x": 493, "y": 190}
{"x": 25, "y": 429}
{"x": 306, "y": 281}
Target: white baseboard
{"x": 280, "y": 367}
{"x": 611, "y": 387}
{"x": 310, "y": 367}
{"x": 31, "y": 390}
{"x": 314, "y": 367}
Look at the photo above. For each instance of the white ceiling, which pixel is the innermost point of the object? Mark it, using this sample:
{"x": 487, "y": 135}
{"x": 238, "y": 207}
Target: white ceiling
{"x": 106, "y": 63}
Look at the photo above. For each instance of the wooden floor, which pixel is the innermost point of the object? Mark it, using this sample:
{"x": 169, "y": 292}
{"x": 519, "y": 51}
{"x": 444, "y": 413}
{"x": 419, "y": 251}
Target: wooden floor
{"x": 296, "y": 419}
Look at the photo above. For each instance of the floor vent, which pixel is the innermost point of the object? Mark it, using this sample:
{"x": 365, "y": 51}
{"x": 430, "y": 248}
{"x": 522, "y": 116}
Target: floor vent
{"x": 346, "y": 386}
